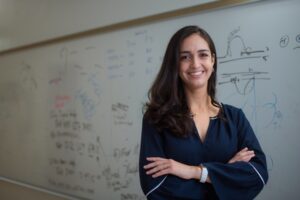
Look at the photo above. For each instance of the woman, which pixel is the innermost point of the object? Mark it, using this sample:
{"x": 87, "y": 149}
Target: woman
{"x": 192, "y": 146}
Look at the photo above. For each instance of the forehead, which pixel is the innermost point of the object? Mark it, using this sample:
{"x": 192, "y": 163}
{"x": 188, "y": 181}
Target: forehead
{"x": 194, "y": 42}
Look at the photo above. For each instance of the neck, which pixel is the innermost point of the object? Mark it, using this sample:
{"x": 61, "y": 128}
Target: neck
{"x": 198, "y": 102}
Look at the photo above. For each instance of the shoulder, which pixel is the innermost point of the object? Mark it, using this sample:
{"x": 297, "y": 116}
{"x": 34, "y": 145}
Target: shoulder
{"x": 147, "y": 121}
{"x": 231, "y": 112}
{"x": 148, "y": 125}
{"x": 230, "y": 108}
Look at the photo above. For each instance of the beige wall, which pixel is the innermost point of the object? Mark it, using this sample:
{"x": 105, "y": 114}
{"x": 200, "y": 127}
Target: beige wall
{"x": 25, "y": 22}
{"x": 10, "y": 191}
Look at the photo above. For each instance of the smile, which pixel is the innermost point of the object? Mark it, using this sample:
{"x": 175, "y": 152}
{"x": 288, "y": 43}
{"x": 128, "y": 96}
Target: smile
{"x": 197, "y": 73}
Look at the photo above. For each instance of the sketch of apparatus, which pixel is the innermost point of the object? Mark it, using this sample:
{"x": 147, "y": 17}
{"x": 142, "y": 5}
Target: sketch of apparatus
{"x": 243, "y": 81}
{"x": 237, "y": 50}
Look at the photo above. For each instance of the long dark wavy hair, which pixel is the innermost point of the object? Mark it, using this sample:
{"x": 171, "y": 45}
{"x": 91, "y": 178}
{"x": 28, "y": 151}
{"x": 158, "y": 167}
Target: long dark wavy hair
{"x": 167, "y": 107}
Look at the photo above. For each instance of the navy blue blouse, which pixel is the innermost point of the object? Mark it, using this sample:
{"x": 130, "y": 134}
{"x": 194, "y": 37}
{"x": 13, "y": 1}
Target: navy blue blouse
{"x": 239, "y": 180}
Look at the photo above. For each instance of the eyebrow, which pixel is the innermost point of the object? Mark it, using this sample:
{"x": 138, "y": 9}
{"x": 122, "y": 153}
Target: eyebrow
{"x": 199, "y": 51}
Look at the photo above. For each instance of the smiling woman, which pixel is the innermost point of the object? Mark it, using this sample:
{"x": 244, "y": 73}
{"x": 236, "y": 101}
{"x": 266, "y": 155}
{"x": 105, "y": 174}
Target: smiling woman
{"x": 192, "y": 146}
{"x": 196, "y": 63}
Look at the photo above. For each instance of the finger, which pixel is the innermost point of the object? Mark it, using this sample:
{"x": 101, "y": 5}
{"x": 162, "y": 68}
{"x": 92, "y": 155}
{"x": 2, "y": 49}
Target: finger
{"x": 243, "y": 150}
{"x": 161, "y": 173}
{"x": 157, "y": 169}
{"x": 153, "y": 164}
{"x": 242, "y": 156}
{"x": 248, "y": 158}
{"x": 247, "y": 153}
{"x": 150, "y": 165}
{"x": 250, "y": 153}
{"x": 155, "y": 158}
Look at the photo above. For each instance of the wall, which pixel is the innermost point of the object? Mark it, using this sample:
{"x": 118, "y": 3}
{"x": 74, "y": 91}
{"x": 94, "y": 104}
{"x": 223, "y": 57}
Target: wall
{"x": 30, "y": 21}
{"x": 12, "y": 191}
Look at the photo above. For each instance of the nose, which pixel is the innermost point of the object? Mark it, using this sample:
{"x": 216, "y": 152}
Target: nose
{"x": 195, "y": 62}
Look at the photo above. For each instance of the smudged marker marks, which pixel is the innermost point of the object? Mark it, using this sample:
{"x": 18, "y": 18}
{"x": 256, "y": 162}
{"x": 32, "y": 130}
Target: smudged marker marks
{"x": 27, "y": 79}
{"x": 120, "y": 113}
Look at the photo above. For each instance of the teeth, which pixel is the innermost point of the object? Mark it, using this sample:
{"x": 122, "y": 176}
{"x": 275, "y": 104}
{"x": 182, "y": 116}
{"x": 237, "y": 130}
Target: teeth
{"x": 196, "y": 73}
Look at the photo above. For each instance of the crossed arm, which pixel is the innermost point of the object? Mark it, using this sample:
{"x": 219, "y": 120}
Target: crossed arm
{"x": 161, "y": 166}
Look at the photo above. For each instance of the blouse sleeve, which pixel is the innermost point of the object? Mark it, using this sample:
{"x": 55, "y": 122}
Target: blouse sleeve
{"x": 240, "y": 180}
{"x": 151, "y": 145}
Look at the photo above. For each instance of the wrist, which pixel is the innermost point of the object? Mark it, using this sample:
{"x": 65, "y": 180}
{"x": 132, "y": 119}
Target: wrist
{"x": 196, "y": 172}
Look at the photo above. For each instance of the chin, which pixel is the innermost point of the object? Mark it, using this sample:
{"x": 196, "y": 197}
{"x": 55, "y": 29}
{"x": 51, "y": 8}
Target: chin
{"x": 196, "y": 86}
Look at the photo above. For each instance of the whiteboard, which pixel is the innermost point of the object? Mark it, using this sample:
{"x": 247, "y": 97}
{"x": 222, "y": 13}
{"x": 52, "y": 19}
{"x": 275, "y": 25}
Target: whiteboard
{"x": 71, "y": 112}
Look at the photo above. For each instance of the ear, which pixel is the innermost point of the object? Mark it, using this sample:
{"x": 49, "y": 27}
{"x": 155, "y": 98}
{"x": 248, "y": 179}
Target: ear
{"x": 213, "y": 58}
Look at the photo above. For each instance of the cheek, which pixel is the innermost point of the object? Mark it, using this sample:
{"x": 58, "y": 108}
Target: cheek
{"x": 211, "y": 66}
{"x": 181, "y": 76}
{"x": 181, "y": 70}
{"x": 211, "y": 71}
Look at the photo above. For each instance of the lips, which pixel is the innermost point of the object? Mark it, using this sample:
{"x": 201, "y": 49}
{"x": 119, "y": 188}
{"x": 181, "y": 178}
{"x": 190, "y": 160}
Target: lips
{"x": 196, "y": 73}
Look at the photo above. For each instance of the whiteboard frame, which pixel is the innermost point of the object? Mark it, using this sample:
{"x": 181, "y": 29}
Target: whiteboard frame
{"x": 131, "y": 23}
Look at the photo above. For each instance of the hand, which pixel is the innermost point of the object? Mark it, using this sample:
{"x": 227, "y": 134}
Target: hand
{"x": 243, "y": 155}
{"x": 161, "y": 166}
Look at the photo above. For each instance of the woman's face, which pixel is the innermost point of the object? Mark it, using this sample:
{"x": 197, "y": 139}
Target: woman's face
{"x": 196, "y": 62}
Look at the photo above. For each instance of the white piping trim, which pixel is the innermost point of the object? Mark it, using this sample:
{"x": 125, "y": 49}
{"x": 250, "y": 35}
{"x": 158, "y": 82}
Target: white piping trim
{"x": 156, "y": 186}
{"x": 257, "y": 173}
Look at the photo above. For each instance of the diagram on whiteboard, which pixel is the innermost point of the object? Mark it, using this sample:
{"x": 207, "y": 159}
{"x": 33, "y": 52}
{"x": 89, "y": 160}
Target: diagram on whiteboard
{"x": 244, "y": 71}
{"x": 237, "y": 49}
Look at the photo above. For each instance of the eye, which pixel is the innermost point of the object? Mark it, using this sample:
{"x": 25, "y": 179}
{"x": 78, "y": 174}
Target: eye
{"x": 185, "y": 57}
{"x": 203, "y": 55}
